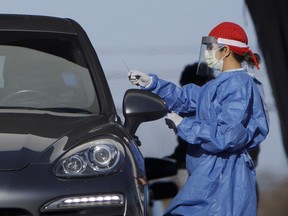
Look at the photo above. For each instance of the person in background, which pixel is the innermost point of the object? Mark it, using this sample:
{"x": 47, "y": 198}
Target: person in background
{"x": 230, "y": 120}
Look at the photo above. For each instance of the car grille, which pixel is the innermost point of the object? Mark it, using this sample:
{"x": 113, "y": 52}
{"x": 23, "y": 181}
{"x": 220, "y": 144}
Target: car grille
{"x": 13, "y": 212}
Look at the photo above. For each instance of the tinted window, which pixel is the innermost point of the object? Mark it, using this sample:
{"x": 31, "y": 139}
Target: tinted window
{"x": 45, "y": 73}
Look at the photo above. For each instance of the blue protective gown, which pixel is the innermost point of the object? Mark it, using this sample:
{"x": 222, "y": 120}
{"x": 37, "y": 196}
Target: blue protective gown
{"x": 230, "y": 119}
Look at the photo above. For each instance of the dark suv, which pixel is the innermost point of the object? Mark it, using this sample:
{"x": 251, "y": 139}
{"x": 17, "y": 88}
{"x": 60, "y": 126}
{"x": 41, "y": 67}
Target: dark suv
{"x": 63, "y": 148}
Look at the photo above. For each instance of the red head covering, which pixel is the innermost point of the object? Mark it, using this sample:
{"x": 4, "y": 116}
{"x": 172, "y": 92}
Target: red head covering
{"x": 233, "y": 34}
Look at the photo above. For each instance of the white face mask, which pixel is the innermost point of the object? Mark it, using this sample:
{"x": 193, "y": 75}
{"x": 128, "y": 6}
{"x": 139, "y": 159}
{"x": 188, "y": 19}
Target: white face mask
{"x": 212, "y": 61}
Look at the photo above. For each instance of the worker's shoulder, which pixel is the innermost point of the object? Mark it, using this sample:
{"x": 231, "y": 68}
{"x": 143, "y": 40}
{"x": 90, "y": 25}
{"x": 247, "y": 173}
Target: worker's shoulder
{"x": 234, "y": 77}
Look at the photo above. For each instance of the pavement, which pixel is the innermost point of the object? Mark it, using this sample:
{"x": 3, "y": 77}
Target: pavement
{"x": 274, "y": 199}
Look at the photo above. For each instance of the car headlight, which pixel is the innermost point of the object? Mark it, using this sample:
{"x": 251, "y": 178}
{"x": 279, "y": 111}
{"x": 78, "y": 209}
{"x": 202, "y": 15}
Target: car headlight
{"x": 97, "y": 157}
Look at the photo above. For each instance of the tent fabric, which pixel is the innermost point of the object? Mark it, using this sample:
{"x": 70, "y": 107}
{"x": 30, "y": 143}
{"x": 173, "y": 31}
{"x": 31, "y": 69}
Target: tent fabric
{"x": 271, "y": 20}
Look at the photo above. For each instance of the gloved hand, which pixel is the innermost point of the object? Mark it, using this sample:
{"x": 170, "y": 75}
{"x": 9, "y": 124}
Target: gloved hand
{"x": 139, "y": 78}
{"x": 173, "y": 120}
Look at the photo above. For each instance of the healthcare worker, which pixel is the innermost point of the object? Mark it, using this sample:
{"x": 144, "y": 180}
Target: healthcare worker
{"x": 231, "y": 119}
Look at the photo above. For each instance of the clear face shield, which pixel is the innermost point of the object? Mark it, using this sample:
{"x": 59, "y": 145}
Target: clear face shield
{"x": 208, "y": 64}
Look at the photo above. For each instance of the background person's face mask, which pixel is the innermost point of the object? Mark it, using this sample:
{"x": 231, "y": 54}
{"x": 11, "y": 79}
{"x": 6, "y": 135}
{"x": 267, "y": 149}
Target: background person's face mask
{"x": 212, "y": 61}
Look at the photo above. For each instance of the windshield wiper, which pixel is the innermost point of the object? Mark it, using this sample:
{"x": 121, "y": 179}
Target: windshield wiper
{"x": 67, "y": 110}
{"x": 52, "y": 109}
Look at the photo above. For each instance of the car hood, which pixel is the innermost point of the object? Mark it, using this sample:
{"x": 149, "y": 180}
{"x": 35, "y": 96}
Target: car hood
{"x": 23, "y": 137}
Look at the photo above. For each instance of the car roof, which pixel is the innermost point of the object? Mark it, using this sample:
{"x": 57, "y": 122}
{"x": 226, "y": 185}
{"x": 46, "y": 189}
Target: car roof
{"x": 18, "y": 22}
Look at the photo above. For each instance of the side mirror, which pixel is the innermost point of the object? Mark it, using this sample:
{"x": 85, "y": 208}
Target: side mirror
{"x": 141, "y": 106}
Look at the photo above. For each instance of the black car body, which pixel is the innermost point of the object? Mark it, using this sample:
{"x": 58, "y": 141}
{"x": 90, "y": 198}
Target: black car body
{"x": 63, "y": 148}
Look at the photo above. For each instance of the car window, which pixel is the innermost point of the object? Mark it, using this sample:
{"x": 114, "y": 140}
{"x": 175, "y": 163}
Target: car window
{"x": 32, "y": 78}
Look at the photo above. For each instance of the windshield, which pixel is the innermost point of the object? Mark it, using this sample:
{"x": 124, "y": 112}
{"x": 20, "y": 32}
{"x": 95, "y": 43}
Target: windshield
{"x": 30, "y": 78}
